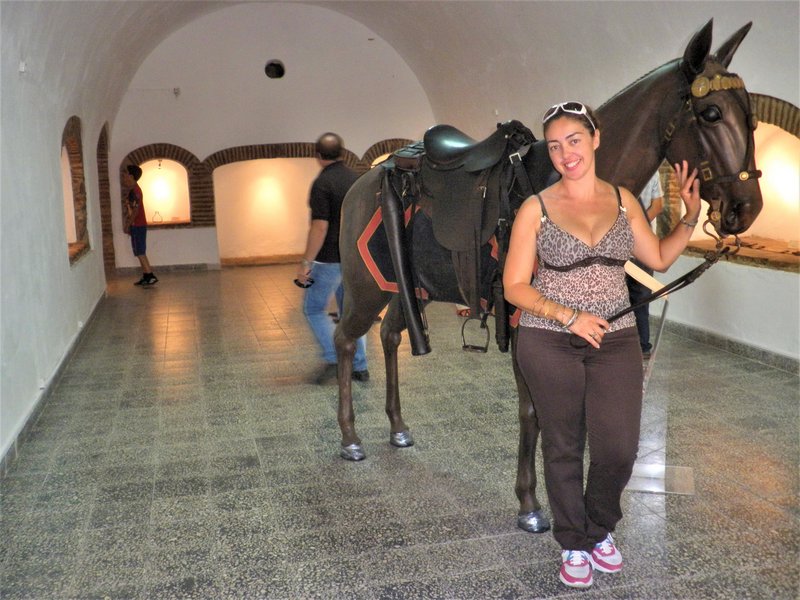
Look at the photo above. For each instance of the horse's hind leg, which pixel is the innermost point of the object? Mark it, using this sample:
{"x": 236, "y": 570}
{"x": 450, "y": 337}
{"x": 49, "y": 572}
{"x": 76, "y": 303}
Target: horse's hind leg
{"x": 391, "y": 336}
{"x": 351, "y": 448}
{"x": 356, "y": 319}
{"x": 530, "y": 516}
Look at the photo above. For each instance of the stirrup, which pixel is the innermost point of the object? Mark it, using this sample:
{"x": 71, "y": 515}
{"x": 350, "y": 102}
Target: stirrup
{"x": 472, "y": 347}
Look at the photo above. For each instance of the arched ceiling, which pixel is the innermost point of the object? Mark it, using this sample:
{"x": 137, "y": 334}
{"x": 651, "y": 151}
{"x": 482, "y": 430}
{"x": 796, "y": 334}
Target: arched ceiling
{"x": 475, "y": 60}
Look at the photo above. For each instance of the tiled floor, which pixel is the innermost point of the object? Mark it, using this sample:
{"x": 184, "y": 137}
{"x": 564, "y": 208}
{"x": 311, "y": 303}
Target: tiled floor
{"x": 183, "y": 455}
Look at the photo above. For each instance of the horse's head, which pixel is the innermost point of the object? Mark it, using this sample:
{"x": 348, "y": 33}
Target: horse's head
{"x": 715, "y": 133}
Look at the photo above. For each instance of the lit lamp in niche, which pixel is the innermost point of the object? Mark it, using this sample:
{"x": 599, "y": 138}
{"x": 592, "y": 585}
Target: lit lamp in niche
{"x": 165, "y": 186}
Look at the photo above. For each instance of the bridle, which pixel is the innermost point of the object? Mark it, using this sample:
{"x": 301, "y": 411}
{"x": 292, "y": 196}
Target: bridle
{"x": 701, "y": 87}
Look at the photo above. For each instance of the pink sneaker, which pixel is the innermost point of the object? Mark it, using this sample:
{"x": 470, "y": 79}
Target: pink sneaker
{"x": 576, "y": 568}
{"x": 606, "y": 557}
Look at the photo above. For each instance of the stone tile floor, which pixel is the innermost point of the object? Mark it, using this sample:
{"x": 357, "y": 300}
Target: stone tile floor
{"x": 183, "y": 455}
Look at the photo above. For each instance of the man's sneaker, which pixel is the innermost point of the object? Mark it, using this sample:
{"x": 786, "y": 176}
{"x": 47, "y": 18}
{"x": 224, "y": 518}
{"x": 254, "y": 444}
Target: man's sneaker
{"x": 576, "y": 568}
{"x": 150, "y": 279}
{"x": 142, "y": 281}
{"x": 361, "y": 375}
{"x": 606, "y": 557}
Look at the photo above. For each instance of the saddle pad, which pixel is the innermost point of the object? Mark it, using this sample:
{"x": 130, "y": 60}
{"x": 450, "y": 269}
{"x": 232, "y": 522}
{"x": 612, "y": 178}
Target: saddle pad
{"x": 432, "y": 264}
{"x": 373, "y": 247}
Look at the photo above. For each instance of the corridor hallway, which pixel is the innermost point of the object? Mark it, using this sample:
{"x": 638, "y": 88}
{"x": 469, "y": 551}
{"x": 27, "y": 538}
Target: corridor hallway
{"x": 183, "y": 455}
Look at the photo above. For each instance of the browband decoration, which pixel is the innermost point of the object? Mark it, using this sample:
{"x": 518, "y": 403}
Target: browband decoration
{"x": 702, "y": 86}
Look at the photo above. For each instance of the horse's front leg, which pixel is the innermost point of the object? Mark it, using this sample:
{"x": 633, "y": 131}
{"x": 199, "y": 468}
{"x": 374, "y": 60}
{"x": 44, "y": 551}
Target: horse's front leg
{"x": 391, "y": 336}
{"x": 345, "y": 350}
{"x": 530, "y": 516}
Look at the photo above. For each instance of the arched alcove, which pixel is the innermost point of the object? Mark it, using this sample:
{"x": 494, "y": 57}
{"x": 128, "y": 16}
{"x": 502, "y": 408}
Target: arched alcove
{"x": 165, "y": 184}
{"x": 75, "y": 216}
{"x": 261, "y": 197}
{"x": 201, "y": 188}
{"x": 200, "y": 173}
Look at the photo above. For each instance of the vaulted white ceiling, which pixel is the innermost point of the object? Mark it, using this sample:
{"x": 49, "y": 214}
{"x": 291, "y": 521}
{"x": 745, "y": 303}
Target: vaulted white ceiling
{"x": 473, "y": 59}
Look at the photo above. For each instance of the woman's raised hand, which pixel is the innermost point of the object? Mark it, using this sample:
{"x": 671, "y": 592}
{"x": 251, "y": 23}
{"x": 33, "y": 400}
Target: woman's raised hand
{"x": 689, "y": 189}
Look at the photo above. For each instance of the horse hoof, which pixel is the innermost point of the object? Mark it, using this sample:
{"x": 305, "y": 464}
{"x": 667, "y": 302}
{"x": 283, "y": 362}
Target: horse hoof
{"x": 533, "y": 522}
{"x": 401, "y": 439}
{"x": 354, "y": 452}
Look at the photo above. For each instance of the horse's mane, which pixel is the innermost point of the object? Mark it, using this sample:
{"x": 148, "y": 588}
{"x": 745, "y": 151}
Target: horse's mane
{"x": 637, "y": 81}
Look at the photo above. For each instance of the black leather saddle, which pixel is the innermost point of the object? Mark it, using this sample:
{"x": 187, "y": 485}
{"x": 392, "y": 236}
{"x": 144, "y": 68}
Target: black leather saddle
{"x": 461, "y": 182}
{"x": 448, "y": 148}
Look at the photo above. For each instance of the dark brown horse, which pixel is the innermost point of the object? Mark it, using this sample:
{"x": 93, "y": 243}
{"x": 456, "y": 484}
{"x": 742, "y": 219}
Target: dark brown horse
{"x": 690, "y": 108}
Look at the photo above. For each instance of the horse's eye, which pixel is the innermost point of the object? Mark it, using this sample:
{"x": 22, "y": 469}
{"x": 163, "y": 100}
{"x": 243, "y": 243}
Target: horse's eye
{"x": 711, "y": 114}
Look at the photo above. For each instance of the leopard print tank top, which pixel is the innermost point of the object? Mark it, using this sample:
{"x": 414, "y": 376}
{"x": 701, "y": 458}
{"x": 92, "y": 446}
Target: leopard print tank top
{"x": 590, "y": 278}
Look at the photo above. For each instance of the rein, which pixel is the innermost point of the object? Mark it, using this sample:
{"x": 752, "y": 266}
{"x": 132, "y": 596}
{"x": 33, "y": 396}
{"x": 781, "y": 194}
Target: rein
{"x": 681, "y": 282}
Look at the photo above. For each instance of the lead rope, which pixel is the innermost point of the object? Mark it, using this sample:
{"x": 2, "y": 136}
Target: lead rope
{"x": 711, "y": 257}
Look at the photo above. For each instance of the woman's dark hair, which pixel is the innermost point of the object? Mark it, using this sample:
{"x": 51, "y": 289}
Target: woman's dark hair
{"x": 329, "y": 146}
{"x": 588, "y": 119}
{"x": 135, "y": 171}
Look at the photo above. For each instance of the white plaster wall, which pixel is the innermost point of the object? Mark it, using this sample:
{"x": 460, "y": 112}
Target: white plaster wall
{"x": 752, "y": 305}
{"x": 340, "y": 77}
{"x": 45, "y": 300}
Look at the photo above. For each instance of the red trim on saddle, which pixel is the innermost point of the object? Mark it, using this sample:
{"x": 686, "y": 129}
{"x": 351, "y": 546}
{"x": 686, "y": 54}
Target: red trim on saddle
{"x": 495, "y": 248}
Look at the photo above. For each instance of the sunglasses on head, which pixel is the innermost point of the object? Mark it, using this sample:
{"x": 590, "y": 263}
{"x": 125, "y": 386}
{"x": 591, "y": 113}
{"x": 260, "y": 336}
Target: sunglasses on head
{"x": 575, "y": 108}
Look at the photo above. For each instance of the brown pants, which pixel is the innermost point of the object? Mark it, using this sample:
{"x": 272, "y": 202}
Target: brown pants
{"x": 578, "y": 391}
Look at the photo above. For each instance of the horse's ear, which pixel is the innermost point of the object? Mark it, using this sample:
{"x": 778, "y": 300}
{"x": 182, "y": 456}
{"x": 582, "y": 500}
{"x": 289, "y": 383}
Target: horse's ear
{"x": 697, "y": 51}
{"x": 726, "y": 51}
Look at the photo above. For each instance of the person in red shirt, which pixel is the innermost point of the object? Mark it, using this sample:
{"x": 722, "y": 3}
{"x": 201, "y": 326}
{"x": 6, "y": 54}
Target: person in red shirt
{"x": 136, "y": 222}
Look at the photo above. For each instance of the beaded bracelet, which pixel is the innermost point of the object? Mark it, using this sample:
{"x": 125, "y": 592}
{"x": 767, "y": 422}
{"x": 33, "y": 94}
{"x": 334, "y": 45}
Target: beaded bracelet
{"x": 687, "y": 223}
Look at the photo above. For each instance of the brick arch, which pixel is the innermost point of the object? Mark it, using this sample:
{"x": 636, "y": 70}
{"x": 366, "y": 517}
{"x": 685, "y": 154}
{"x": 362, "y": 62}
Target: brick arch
{"x": 261, "y": 151}
{"x": 777, "y": 112}
{"x": 201, "y": 186}
{"x": 104, "y": 189}
{"x": 300, "y": 150}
